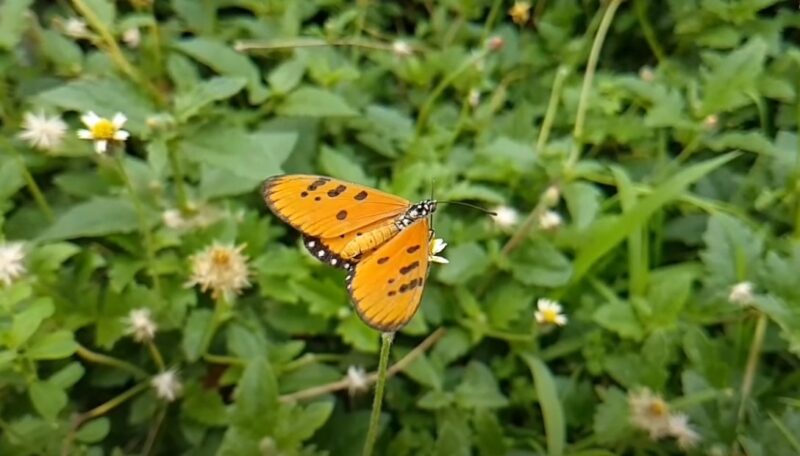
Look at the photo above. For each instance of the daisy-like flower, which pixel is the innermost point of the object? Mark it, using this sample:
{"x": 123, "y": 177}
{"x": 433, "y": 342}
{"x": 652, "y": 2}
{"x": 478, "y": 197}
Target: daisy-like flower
{"x": 550, "y": 220}
{"x": 12, "y": 262}
{"x": 141, "y": 325}
{"x": 357, "y": 380}
{"x": 649, "y": 412}
{"x": 75, "y": 28}
{"x": 682, "y": 431}
{"x": 102, "y": 130}
{"x": 132, "y": 37}
{"x": 741, "y": 293}
{"x": 221, "y": 269}
{"x": 435, "y": 247}
{"x": 43, "y": 132}
{"x": 549, "y": 312}
{"x": 520, "y": 12}
{"x": 506, "y": 217}
{"x": 168, "y": 385}
{"x": 401, "y": 49}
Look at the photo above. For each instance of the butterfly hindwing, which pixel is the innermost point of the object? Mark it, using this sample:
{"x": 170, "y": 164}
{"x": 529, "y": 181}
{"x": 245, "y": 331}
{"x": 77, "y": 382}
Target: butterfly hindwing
{"x": 323, "y": 207}
{"x": 386, "y": 285}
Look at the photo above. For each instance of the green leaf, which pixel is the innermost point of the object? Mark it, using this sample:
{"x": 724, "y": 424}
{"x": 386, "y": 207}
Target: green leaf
{"x": 357, "y": 334}
{"x": 539, "y": 263}
{"x": 287, "y": 75}
{"x": 453, "y": 437}
{"x": 424, "y": 372}
{"x": 253, "y": 414}
{"x": 315, "y": 102}
{"x": 732, "y": 253}
{"x": 106, "y": 97}
{"x": 11, "y": 179}
{"x": 68, "y": 375}
{"x": 338, "y": 165}
{"x": 104, "y": 10}
{"x": 303, "y": 423}
{"x": 226, "y": 61}
{"x": 489, "y": 436}
{"x": 55, "y": 345}
{"x": 730, "y": 81}
{"x": 611, "y": 418}
{"x": 94, "y": 431}
{"x": 26, "y": 322}
{"x": 619, "y": 317}
{"x": 583, "y": 202}
{"x": 466, "y": 262}
{"x": 48, "y": 399}
{"x": 669, "y": 290}
{"x": 13, "y": 22}
{"x": 552, "y": 411}
{"x": 506, "y": 301}
{"x": 188, "y": 104}
{"x": 479, "y": 389}
{"x": 435, "y": 400}
{"x": 204, "y": 406}
{"x": 97, "y": 217}
{"x": 63, "y": 52}
{"x": 609, "y": 235}
{"x": 194, "y": 333}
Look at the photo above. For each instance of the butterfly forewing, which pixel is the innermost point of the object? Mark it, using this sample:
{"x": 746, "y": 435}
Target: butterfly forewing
{"x": 386, "y": 286}
{"x": 323, "y": 207}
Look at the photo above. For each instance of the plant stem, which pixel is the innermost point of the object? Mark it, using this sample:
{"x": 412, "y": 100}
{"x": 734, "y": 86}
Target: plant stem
{"x": 487, "y": 26}
{"x": 279, "y": 45}
{"x": 156, "y": 355}
{"x": 147, "y": 449}
{"x": 177, "y": 177}
{"x": 375, "y": 417}
{"x": 147, "y": 239}
{"x": 752, "y": 363}
{"x": 221, "y": 313}
{"x": 99, "y": 358}
{"x": 424, "y": 111}
{"x": 33, "y": 187}
{"x": 647, "y": 29}
{"x": 114, "y": 51}
{"x": 552, "y": 107}
{"x": 591, "y": 66}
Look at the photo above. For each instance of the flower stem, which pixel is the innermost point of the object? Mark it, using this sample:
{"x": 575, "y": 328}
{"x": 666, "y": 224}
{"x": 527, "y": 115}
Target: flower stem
{"x": 591, "y": 67}
{"x": 100, "y": 358}
{"x": 552, "y": 107}
{"x": 113, "y": 49}
{"x": 375, "y": 417}
{"x": 221, "y": 314}
{"x": 33, "y": 187}
{"x": 156, "y": 355}
{"x": 177, "y": 177}
{"x": 147, "y": 238}
{"x": 752, "y": 363}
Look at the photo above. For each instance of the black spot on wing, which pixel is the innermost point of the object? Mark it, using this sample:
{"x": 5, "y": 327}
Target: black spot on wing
{"x": 412, "y": 249}
{"x": 341, "y": 215}
{"x": 360, "y": 196}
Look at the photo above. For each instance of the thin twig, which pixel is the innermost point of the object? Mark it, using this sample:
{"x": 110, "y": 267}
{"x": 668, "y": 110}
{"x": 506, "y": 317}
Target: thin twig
{"x": 279, "y": 45}
{"x": 100, "y": 358}
{"x": 372, "y": 377}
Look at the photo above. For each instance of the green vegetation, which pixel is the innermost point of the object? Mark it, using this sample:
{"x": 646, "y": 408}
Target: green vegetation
{"x": 643, "y": 158}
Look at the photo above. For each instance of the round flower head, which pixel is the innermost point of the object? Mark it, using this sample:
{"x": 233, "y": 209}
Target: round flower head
{"x": 520, "y": 12}
{"x": 141, "y": 325}
{"x": 401, "y": 49}
{"x": 12, "y": 265}
{"x": 506, "y": 217}
{"x": 649, "y": 412}
{"x": 435, "y": 247}
{"x": 103, "y": 131}
{"x": 682, "y": 431}
{"x": 550, "y": 220}
{"x": 167, "y": 385}
{"x": 741, "y": 293}
{"x": 549, "y": 313}
{"x": 221, "y": 269}
{"x": 42, "y": 132}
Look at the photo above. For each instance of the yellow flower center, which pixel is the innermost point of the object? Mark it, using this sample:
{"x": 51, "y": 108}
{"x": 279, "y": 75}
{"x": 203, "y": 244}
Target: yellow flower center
{"x": 658, "y": 408}
{"x": 221, "y": 258}
{"x": 549, "y": 315}
{"x": 104, "y": 129}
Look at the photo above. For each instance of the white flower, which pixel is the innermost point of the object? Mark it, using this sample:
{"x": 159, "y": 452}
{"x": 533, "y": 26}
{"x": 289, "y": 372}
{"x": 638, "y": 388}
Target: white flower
{"x": 401, "y": 49}
{"x": 42, "y": 132}
{"x": 550, "y": 220}
{"x": 12, "y": 266}
{"x": 647, "y": 74}
{"x": 551, "y": 196}
{"x": 549, "y": 313}
{"x": 357, "y": 380}
{"x": 683, "y": 432}
{"x": 102, "y": 130}
{"x": 649, "y": 412}
{"x": 132, "y": 37}
{"x": 741, "y": 293}
{"x": 711, "y": 122}
{"x": 141, "y": 325}
{"x": 167, "y": 385}
{"x": 220, "y": 268}
{"x": 75, "y": 28}
{"x": 506, "y": 216}
{"x": 474, "y": 97}
{"x": 199, "y": 217}
{"x": 435, "y": 247}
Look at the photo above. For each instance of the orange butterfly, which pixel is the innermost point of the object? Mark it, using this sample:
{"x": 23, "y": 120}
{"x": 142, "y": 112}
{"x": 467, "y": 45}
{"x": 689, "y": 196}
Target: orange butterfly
{"x": 382, "y": 240}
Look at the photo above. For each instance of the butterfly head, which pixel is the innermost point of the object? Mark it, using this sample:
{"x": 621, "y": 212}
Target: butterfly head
{"x": 415, "y": 212}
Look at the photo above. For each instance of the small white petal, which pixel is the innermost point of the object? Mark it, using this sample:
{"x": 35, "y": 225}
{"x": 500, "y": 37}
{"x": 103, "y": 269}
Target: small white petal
{"x": 438, "y": 259}
{"x": 119, "y": 120}
{"x": 101, "y": 146}
{"x": 90, "y": 119}
{"x": 121, "y": 135}
{"x": 85, "y": 134}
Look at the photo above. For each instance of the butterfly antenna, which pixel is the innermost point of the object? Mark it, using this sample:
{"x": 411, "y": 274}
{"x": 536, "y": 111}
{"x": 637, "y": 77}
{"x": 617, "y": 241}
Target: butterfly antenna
{"x": 474, "y": 206}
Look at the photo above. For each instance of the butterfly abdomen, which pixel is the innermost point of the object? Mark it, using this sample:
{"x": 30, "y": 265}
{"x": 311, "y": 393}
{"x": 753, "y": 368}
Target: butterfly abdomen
{"x": 369, "y": 240}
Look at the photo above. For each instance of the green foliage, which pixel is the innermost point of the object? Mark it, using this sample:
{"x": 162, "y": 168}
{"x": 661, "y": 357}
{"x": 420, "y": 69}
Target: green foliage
{"x": 654, "y": 194}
